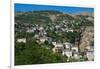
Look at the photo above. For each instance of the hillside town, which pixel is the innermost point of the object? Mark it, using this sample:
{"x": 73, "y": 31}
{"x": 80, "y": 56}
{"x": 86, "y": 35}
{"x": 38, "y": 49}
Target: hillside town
{"x": 54, "y": 35}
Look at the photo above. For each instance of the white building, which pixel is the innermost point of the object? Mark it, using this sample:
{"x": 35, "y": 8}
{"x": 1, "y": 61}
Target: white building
{"x": 67, "y": 45}
{"x": 45, "y": 33}
{"x": 57, "y": 26}
{"x": 70, "y": 30}
{"x": 41, "y": 28}
{"x": 90, "y": 55}
{"x": 76, "y": 55}
{"x": 68, "y": 53}
{"x": 36, "y": 36}
{"x": 42, "y": 40}
{"x": 75, "y": 48}
{"x": 63, "y": 29}
{"x": 31, "y": 30}
{"x": 54, "y": 43}
{"x": 21, "y": 40}
{"x": 59, "y": 45}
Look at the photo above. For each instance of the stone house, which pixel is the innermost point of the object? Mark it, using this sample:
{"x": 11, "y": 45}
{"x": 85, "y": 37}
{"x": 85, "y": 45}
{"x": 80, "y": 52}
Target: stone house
{"x": 23, "y": 40}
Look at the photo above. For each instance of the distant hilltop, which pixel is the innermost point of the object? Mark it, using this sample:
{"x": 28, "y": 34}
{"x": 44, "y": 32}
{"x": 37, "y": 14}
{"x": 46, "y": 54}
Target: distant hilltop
{"x": 48, "y": 16}
{"x": 85, "y": 13}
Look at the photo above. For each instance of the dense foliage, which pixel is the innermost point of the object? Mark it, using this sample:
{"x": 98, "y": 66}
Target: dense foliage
{"x": 33, "y": 53}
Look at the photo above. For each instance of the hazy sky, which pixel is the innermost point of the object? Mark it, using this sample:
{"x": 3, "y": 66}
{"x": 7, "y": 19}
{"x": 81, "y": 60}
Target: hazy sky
{"x": 66, "y": 9}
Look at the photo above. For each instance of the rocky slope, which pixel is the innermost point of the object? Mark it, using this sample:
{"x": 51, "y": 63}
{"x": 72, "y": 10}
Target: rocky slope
{"x": 87, "y": 38}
